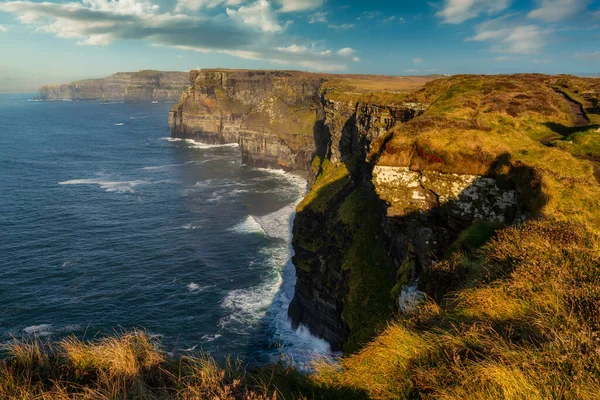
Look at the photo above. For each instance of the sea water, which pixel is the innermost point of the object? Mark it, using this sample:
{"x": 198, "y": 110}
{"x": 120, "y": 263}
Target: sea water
{"x": 108, "y": 225}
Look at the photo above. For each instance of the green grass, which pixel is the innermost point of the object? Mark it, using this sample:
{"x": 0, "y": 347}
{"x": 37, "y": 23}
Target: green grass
{"x": 334, "y": 177}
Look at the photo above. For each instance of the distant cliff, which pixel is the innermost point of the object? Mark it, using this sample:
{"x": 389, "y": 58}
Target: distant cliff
{"x": 130, "y": 87}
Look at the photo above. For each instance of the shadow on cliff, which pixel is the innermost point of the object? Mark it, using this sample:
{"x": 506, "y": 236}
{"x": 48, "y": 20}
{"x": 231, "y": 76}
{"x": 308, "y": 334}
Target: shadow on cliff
{"x": 353, "y": 256}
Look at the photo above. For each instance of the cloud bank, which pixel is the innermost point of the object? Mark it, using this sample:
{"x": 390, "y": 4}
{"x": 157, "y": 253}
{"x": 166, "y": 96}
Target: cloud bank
{"x": 251, "y": 30}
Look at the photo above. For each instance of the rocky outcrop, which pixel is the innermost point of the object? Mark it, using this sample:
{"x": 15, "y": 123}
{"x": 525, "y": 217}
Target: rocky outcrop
{"x": 361, "y": 239}
{"x": 271, "y": 114}
{"x": 129, "y": 87}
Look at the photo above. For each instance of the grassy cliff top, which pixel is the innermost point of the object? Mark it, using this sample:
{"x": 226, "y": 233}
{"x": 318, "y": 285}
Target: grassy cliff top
{"x": 517, "y": 318}
{"x": 475, "y": 121}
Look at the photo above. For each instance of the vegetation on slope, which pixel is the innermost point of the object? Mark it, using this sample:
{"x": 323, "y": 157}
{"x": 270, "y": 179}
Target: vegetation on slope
{"x": 511, "y": 312}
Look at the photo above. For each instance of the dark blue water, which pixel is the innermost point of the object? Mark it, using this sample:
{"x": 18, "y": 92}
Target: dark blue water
{"x": 106, "y": 225}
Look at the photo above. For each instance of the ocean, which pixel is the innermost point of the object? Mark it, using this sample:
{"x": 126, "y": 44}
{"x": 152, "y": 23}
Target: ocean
{"x": 108, "y": 225}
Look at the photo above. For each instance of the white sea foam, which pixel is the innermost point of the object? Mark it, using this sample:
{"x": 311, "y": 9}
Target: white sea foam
{"x": 199, "y": 145}
{"x": 210, "y": 338}
{"x": 119, "y": 124}
{"x": 248, "y": 225}
{"x": 292, "y": 178}
{"x": 162, "y": 167}
{"x": 189, "y": 227}
{"x": 278, "y": 224}
{"x": 108, "y": 185}
{"x": 247, "y": 306}
{"x": 317, "y": 344}
{"x": 39, "y": 330}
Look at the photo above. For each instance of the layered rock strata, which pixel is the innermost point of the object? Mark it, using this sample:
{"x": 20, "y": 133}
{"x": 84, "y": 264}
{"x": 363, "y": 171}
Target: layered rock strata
{"x": 129, "y": 87}
{"x": 364, "y": 231}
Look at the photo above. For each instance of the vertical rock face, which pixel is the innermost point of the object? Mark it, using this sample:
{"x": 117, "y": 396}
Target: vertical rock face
{"x": 130, "y": 87}
{"x": 364, "y": 230}
{"x": 271, "y": 114}
{"x": 147, "y": 86}
{"x": 338, "y": 236}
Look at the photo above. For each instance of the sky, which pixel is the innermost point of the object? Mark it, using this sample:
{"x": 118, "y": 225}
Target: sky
{"x": 62, "y": 40}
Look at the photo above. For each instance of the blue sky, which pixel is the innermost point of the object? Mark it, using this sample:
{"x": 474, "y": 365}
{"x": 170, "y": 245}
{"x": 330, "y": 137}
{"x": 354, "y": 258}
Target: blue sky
{"x": 43, "y": 42}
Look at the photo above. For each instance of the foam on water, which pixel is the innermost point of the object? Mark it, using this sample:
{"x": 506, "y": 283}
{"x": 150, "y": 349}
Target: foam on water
{"x": 199, "y": 145}
{"x": 43, "y": 330}
{"x": 195, "y": 288}
{"x": 269, "y": 301}
{"x": 248, "y": 225}
{"x": 161, "y": 167}
{"x": 294, "y": 179}
{"x": 109, "y": 186}
{"x": 119, "y": 124}
{"x": 39, "y": 330}
{"x": 210, "y": 338}
{"x": 278, "y": 224}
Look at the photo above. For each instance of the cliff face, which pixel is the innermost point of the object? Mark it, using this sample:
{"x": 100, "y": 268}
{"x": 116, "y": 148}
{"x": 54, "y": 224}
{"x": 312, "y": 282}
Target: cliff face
{"x": 130, "y": 87}
{"x": 366, "y": 230}
{"x": 271, "y": 114}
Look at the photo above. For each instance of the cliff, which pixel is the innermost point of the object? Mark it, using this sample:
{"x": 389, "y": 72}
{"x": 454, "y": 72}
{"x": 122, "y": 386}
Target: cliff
{"x": 271, "y": 114}
{"x": 456, "y": 244}
{"x": 129, "y": 87}
{"x": 398, "y": 179}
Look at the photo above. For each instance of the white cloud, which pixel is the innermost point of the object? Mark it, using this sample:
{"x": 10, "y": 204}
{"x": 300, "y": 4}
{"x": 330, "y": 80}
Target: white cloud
{"x": 458, "y": 11}
{"x": 320, "y": 17}
{"x": 299, "y": 5}
{"x": 417, "y": 60}
{"x": 557, "y": 10}
{"x": 195, "y": 5}
{"x": 346, "y": 52}
{"x": 389, "y": 19}
{"x": 250, "y": 32}
{"x": 341, "y": 27}
{"x": 3, "y": 28}
{"x": 588, "y": 56}
{"x": 508, "y": 36}
{"x": 259, "y": 15}
{"x": 506, "y": 58}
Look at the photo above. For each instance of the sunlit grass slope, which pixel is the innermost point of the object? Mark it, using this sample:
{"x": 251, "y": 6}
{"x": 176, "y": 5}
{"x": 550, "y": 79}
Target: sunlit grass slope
{"x": 513, "y": 314}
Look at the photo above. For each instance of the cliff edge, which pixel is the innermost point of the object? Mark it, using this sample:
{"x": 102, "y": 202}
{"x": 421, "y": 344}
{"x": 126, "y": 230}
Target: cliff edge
{"x": 402, "y": 175}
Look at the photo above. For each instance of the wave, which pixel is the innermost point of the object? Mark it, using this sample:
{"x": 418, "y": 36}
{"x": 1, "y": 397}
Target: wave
{"x": 247, "y": 306}
{"x": 248, "y": 225}
{"x": 210, "y": 338}
{"x": 199, "y": 145}
{"x": 119, "y": 124}
{"x": 113, "y": 186}
{"x": 194, "y": 287}
{"x": 109, "y": 186}
{"x": 162, "y": 167}
{"x": 39, "y": 330}
{"x": 43, "y": 330}
{"x": 278, "y": 224}
{"x": 288, "y": 176}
